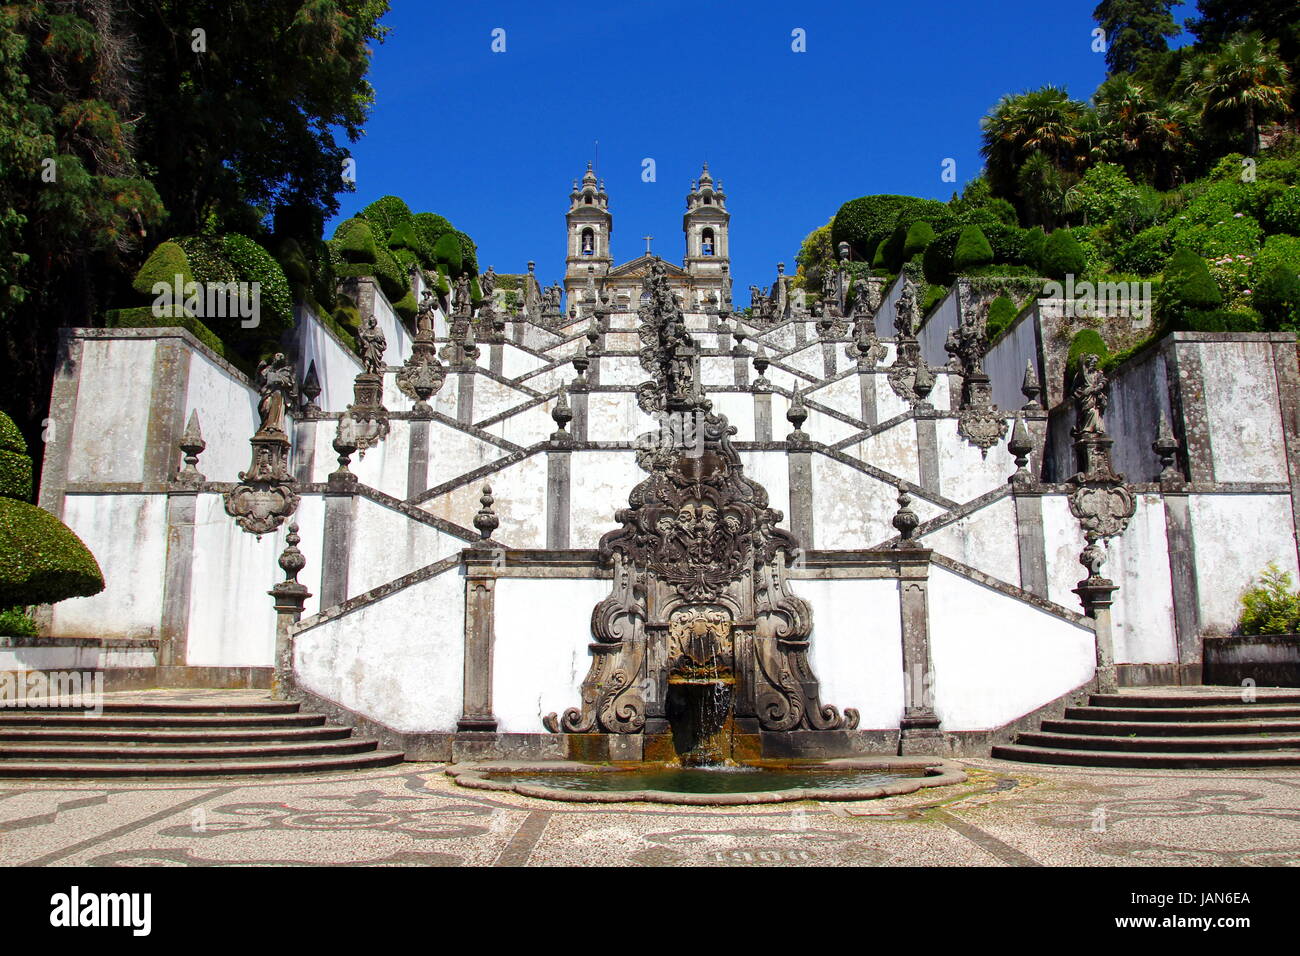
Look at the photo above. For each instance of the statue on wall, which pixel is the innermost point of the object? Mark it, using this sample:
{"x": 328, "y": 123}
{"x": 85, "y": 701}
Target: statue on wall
{"x": 1090, "y": 396}
{"x": 278, "y": 386}
{"x": 463, "y": 294}
{"x": 487, "y": 284}
{"x": 373, "y": 345}
{"x": 265, "y": 494}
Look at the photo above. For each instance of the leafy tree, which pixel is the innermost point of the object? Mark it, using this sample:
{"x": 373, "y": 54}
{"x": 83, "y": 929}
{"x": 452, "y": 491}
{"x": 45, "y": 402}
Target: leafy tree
{"x": 74, "y": 203}
{"x": 1134, "y": 29}
{"x": 1271, "y": 606}
{"x": 814, "y": 253}
{"x": 1042, "y": 189}
{"x": 1044, "y": 121}
{"x": 1245, "y": 82}
{"x": 1149, "y": 136}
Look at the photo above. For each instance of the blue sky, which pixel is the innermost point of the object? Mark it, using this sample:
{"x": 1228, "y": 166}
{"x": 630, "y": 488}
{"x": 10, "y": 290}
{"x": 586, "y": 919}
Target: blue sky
{"x": 884, "y": 93}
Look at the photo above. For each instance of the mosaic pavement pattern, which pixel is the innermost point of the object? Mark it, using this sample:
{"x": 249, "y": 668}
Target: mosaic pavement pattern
{"x": 412, "y": 815}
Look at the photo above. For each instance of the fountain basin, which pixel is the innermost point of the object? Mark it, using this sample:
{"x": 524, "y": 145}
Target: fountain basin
{"x": 850, "y": 778}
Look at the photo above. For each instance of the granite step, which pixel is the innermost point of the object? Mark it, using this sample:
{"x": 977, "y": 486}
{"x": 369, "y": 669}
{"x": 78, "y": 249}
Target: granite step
{"x": 1167, "y": 761}
{"x": 180, "y": 734}
{"x": 1108, "y": 728}
{"x": 75, "y": 769}
{"x": 1139, "y": 744}
{"x": 37, "y": 717}
{"x": 1224, "y": 698}
{"x": 194, "y": 735}
{"x": 1183, "y": 714}
{"x": 207, "y": 750}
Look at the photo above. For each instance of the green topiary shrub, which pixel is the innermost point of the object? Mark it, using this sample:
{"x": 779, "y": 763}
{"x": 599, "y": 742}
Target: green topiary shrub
{"x": 406, "y": 238}
{"x": 868, "y": 220}
{"x": 252, "y": 263}
{"x": 354, "y": 241}
{"x": 1271, "y": 606}
{"x": 385, "y": 214}
{"x": 164, "y": 264}
{"x": 468, "y": 254}
{"x": 406, "y": 306}
{"x": 1007, "y": 243}
{"x": 1002, "y": 312}
{"x": 973, "y": 250}
{"x": 937, "y": 260}
{"x": 292, "y": 261}
{"x": 1062, "y": 256}
{"x": 41, "y": 560}
{"x": 428, "y": 228}
{"x": 919, "y": 236}
{"x": 1186, "y": 287}
{"x": 447, "y": 252}
{"x": 348, "y": 318}
{"x": 393, "y": 279}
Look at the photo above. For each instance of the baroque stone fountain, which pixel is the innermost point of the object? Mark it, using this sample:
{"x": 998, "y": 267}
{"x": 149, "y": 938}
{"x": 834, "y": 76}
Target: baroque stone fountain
{"x": 701, "y": 649}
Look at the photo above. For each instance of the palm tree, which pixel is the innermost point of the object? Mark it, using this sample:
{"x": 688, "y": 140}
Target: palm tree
{"x": 1043, "y": 121}
{"x": 1246, "y": 80}
{"x": 1148, "y": 135}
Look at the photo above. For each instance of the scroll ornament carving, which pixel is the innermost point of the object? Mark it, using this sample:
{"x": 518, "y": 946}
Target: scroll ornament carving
{"x": 265, "y": 495}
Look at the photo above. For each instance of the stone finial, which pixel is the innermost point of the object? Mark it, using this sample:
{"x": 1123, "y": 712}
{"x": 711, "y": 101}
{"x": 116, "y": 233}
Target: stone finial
{"x": 486, "y": 520}
{"x": 561, "y": 414}
{"x": 345, "y": 444}
{"x": 796, "y": 415}
{"x": 470, "y": 347}
{"x": 311, "y": 391}
{"x": 291, "y": 559}
{"x": 1166, "y": 448}
{"x": 740, "y": 336}
{"x": 1021, "y": 447}
{"x": 1031, "y": 388}
{"x": 905, "y": 520}
{"x": 761, "y": 363}
{"x": 581, "y": 363}
{"x": 593, "y": 332}
{"x": 192, "y": 444}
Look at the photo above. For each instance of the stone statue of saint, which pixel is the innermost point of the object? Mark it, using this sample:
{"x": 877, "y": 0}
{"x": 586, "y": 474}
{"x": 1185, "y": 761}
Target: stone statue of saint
{"x": 278, "y": 388}
{"x": 1090, "y": 396}
{"x": 373, "y": 345}
{"x": 905, "y": 311}
{"x": 487, "y": 284}
{"x": 463, "y": 294}
{"x": 424, "y": 315}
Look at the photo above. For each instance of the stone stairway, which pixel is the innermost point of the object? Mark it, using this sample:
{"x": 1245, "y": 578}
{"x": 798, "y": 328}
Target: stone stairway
{"x": 179, "y": 734}
{"x": 1173, "y": 727}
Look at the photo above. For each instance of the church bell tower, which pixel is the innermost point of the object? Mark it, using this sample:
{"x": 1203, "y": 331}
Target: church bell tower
{"x": 590, "y": 226}
{"x": 708, "y": 246}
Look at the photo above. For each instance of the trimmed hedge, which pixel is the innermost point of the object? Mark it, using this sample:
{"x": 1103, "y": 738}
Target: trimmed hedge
{"x": 1002, "y": 312}
{"x": 447, "y": 251}
{"x": 354, "y": 241}
{"x": 973, "y": 250}
{"x": 919, "y": 236}
{"x": 868, "y": 220}
{"x": 1187, "y": 287}
{"x": 385, "y": 214}
{"x": 41, "y": 560}
{"x": 14, "y": 623}
{"x": 1062, "y": 256}
{"x": 164, "y": 264}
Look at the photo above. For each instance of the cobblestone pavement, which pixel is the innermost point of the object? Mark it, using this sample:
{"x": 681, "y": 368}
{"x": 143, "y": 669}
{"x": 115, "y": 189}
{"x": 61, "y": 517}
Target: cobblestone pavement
{"x": 413, "y": 815}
